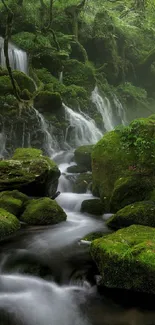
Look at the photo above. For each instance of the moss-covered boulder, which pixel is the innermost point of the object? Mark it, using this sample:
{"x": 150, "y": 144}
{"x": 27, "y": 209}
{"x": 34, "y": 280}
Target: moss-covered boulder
{"x": 6, "y": 86}
{"x": 8, "y": 223}
{"x": 94, "y": 206}
{"x": 82, "y": 156}
{"x": 126, "y": 258}
{"x": 13, "y": 201}
{"x": 24, "y": 81}
{"x": 79, "y": 74}
{"x": 82, "y": 183}
{"x": 46, "y": 101}
{"x": 140, "y": 213}
{"x": 123, "y": 152}
{"x": 30, "y": 172}
{"x": 43, "y": 211}
{"x": 130, "y": 189}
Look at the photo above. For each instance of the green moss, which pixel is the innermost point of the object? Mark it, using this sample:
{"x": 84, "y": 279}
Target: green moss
{"x": 124, "y": 152}
{"x": 94, "y": 206}
{"x": 24, "y": 81}
{"x": 94, "y": 235}
{"x": 126, "y": 258}
{"x": 13, "y": 201}
{"x": 46, "y": 101}
{"x": 79, "y": 74}
{"x": 27, "y": 154}
{"x": 43, "y": 211}
{"x": 130, "y": 189}
{"x": 30, "y": 172}
{"x": 132, "y": 96}
{"x": 82, "y": 183}
{"x": 8, "y": 224}
{"x": 141, "y": 213}
{"x": 83, "y": 156}
{"x": 6, "y": 86}
{"x": 30, "y": 42}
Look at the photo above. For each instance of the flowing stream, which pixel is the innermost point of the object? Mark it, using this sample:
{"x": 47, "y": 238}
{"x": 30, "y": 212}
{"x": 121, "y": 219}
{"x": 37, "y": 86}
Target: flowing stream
{"x": 63, "y": 288}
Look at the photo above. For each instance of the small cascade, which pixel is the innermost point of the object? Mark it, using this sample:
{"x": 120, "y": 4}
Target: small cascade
{"x": 120, "y": 110}
{"x": 18, "y": 58}
{"x": 50, "y": 143}
{"x": 104, "y": 108}
{"x": 82, "y": 129}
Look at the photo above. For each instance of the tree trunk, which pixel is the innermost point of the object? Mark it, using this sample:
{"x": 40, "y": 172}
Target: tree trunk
{"x": 6, "y": 46}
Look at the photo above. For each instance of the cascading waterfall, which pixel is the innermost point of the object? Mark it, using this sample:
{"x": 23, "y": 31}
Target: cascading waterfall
{"x": 82, "y": 129}
{"x": 50, "y": 143}
{"x": 105, "y": 109}
{"x": 18, "y": 58}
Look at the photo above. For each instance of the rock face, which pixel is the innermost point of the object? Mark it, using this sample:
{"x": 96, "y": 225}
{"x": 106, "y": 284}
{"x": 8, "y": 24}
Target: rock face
{"x": 83, "y": 156}
{"x": 140, "y": 213}
{"x": 8, "y": 224}
{"x": 125, "y": 152}
{"x": 43, "y": 211}
{"x": 30, "y": 172}
{"x": 126, "y": 258}
{"x": 94, "y": 206}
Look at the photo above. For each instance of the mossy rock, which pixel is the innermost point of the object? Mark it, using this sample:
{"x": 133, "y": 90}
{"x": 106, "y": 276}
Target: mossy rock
{"x": 93, "y": 235}
{"x": 130, "y": 189}
{"x": 30, "y": 172}
{"x": 126, "y": 258}
{"x": 94, "y": 206}
{"x": 82, "y": 183}
{"x": 121, "y": 153}
{"x": 13, "y": 201}
{"x": 43, "y": 211}
{"x": 75, "y": 169}
{"x": 9, "y": 224}
{"x": 82, "y": 156}
{"x": 79, "y": 74}
{"x": 24, "y": 81}
{"x": 6, "y": 86}
{"x": 46, "y": 101}
{"x": 140, "y": 213}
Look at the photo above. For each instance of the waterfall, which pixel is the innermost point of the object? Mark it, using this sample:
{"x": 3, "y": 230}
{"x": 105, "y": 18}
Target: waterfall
{"x": 18, "y": 58}
{"x": 82, "y": 129}
{"x": 104, "y": 108}
{"x": 50, "y": 143}
{"x": 111, "y": 117}
{"x": 120, "y": 109}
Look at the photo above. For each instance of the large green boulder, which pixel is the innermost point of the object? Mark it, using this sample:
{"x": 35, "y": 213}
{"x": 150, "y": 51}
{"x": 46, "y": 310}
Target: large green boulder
{"x": 30, "y": 172}
{"x": 130, "y": 189}
{"x": 126, "y": 258}
{"x": 126, "y": 151}
{"x": 43, "y": 211}
{"x": 24, "y": 81}
{"x": 46, "y": 101}
{"x": 8, "y": 223}
{"x": 94, "y": 206}
{"x": 140, "y": 213}
{"x": 13, "y": 201}
{"x": 79, "y": 74}
{"x": 82, "y": 156}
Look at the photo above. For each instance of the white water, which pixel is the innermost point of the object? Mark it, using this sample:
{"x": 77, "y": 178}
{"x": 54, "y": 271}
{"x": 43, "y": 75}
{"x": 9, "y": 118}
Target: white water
{"x": 106, "y": 110}
{"x": 50, "y": 143}
{"x": 61, "y": 77}
{"x": 83, "y": 128}
{"x": 18, "y": 58}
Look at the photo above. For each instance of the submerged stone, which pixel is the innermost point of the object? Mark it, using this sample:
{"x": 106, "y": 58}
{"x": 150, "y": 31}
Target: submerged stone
{"x": 126, "y": 258}
{"x": 43, "y": 211}
{"x": 94, "y": 206}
